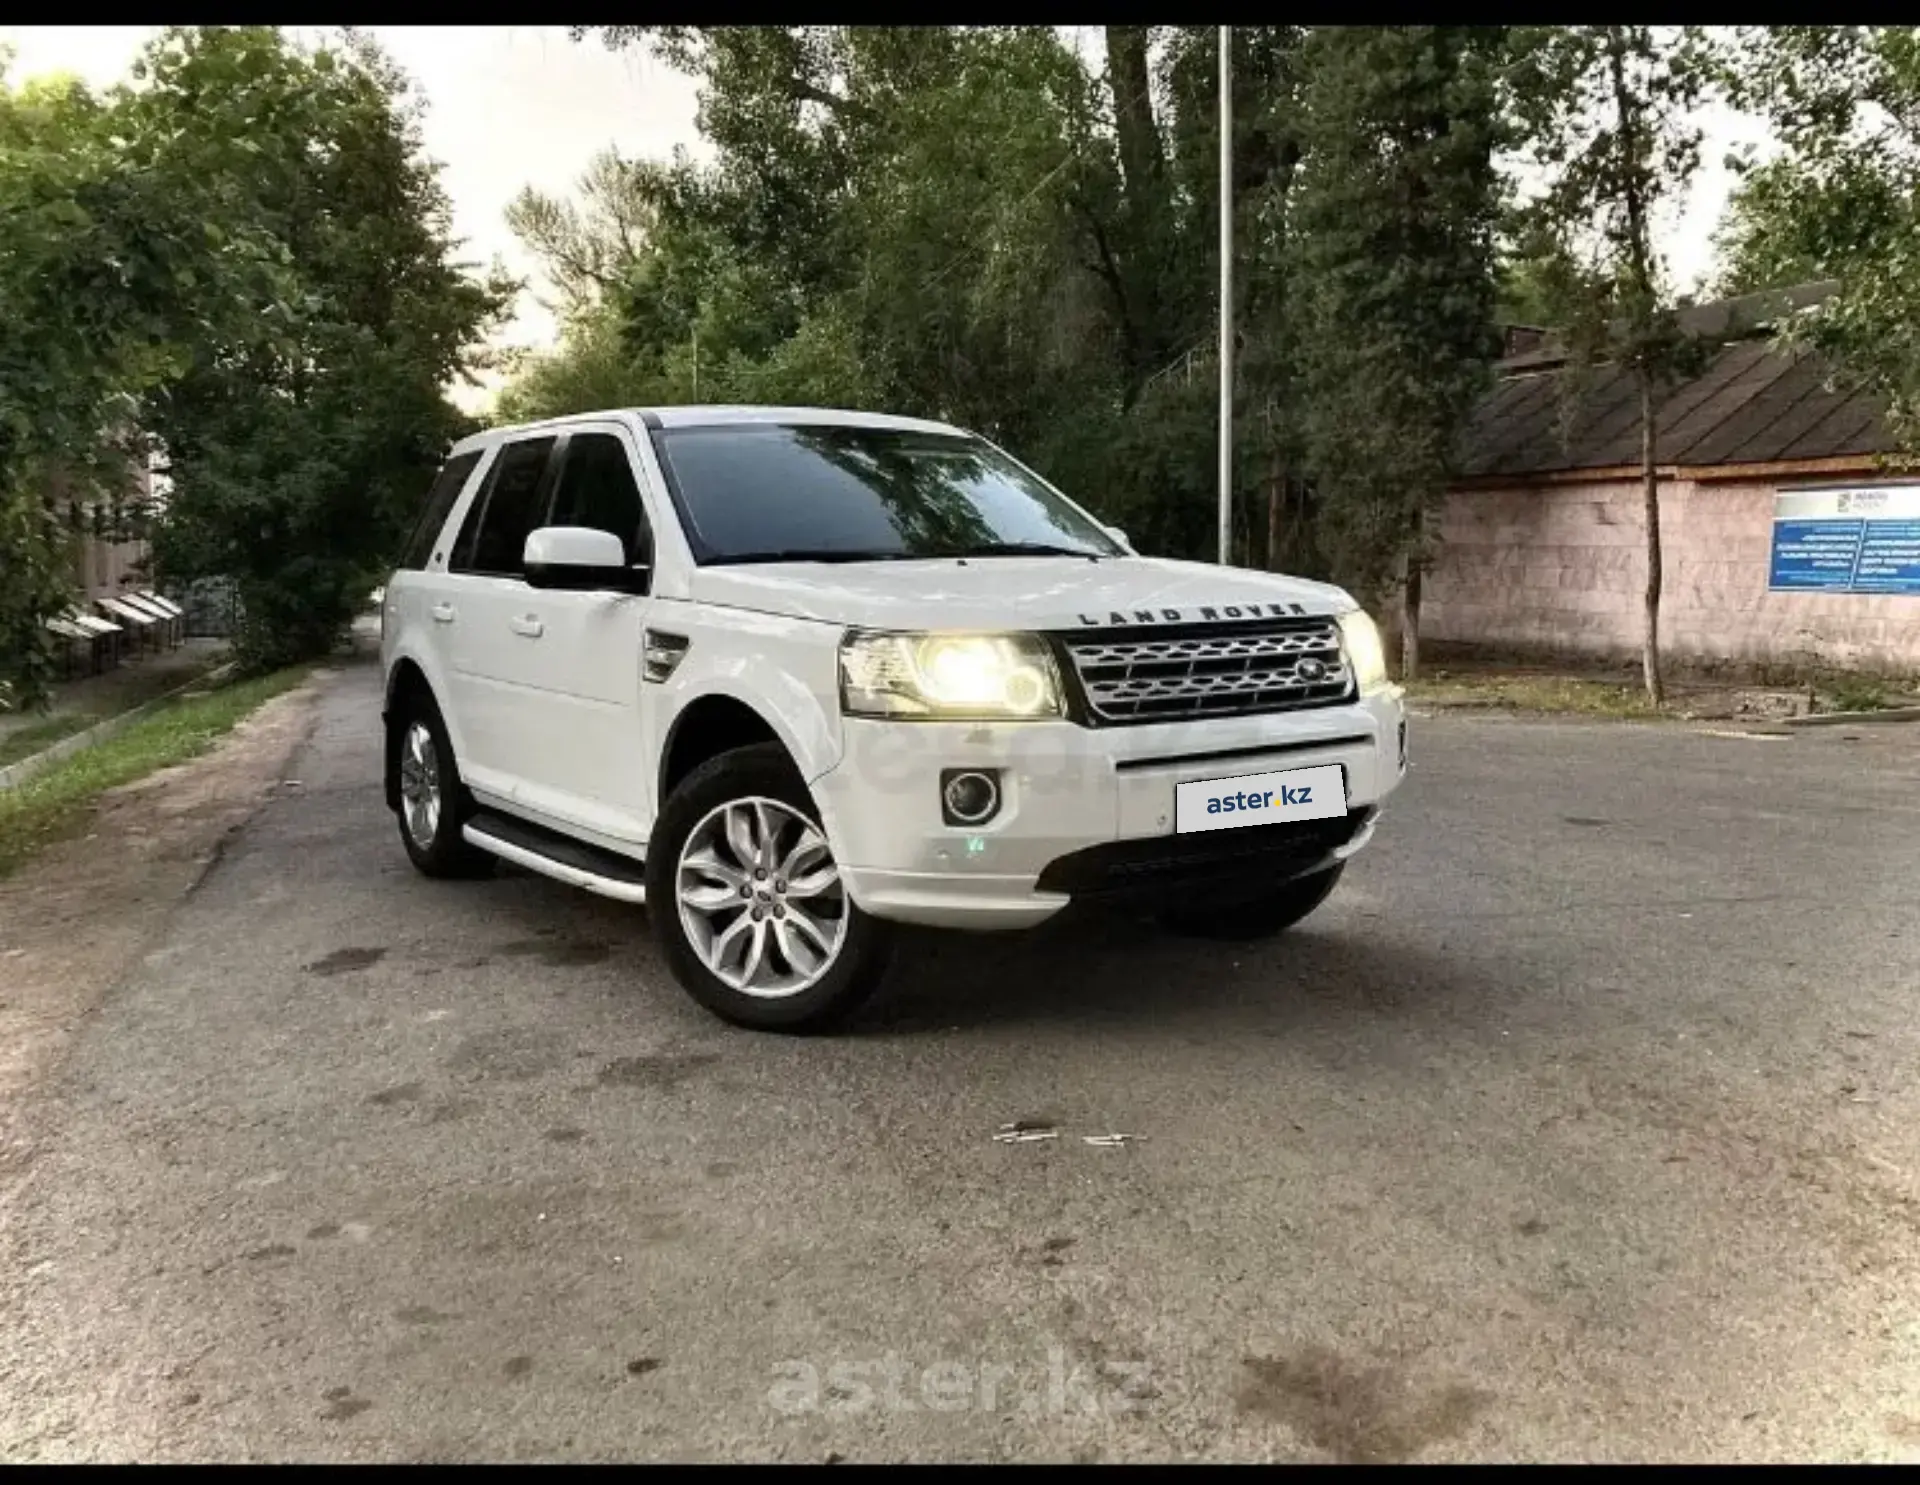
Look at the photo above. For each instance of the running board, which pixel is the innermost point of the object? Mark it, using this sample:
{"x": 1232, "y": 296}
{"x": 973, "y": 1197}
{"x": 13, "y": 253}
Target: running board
{"x": 558, "y": 856}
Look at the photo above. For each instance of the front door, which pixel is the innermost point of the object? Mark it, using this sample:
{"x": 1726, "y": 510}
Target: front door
{"x": 496, "y": 654}
{"x": 591, "y": 770}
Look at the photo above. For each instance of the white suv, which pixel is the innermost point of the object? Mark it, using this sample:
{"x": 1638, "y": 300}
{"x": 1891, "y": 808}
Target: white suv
{"x": 793, "y": 676}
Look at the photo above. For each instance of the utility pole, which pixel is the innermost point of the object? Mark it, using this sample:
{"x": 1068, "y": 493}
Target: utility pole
{"x": 1226, "y": 295}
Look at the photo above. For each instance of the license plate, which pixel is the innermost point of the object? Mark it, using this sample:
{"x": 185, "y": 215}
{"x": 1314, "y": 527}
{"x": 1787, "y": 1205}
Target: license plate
{"x": 1260, "y": 799}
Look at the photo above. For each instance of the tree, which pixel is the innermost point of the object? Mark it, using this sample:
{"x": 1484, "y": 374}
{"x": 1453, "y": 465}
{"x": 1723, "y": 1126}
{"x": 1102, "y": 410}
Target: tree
{"x": 1609, "y": 114}
{"x": 889, "y": 219}
{"x": 587, "y": 249}
{"x": 1394, "y": 215}
{"x": 298, "y": 445}
{"x": 1842, "y": 200}
{"x": 114, "y": 258}
{"x": 970, "y": 223}
{"x": 1782, "y": 229}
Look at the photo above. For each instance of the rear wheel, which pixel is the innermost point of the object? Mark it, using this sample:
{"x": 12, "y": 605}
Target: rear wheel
{"x": 431, "y": 797}
{"x": 1273, "y": 911}
{"x": 748, "y": 903}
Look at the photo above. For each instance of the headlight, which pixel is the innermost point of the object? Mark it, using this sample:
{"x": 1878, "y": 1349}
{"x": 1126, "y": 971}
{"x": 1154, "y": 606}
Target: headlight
{"x": 1002, "y": 676}
{"x": 1364, "y": 651}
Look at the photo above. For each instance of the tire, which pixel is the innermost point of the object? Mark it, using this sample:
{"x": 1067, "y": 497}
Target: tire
{"x": 787, "y": 993}
{"x": 443, "y": 852}
{"x": 1272, "y": 912}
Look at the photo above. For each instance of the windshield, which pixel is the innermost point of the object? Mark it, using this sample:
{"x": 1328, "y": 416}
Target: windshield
{"x": 829, "y": 492}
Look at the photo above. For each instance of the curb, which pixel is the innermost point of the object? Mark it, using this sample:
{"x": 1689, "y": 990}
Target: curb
{"x": 18, "y": 773}
{"x": 1854, "y": 719}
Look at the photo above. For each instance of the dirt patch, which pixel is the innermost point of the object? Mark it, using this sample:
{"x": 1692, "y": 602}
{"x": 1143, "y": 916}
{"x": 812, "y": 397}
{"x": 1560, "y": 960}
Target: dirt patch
{"x": 345, "y": 961}
{"x": 662, "y": 1070}
{"x": 75, "y": 918}
{"x": 1359, "y": 1414}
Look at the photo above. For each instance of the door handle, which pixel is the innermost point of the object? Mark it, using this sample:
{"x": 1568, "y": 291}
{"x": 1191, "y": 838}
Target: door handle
{"x": 531, "y": 627}
{"x": 443, "y": 613}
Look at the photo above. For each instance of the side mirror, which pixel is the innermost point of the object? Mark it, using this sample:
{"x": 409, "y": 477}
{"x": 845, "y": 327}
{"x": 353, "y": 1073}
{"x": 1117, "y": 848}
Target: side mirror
{"x": 1118, "y": 535}
{"x": 580, "y": 559}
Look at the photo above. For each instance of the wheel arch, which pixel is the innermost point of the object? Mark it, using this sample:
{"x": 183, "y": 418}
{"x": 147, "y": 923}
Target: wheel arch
{"x": 406, "y": 683}
{"x": 709, "y": 725}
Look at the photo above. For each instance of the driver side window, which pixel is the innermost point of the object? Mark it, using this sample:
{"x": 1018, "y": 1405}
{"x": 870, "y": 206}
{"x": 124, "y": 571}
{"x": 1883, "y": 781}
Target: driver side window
{"x": 597, "y": 489}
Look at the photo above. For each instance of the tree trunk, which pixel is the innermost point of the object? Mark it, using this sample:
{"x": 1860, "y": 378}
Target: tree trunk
{"x": 1130, "y": 77}
{"x": 1650, "y": 477}
{"x": 1138, "y": 246}
{"x": 1410, "y": 622}
{"x": 1276, "y": 511}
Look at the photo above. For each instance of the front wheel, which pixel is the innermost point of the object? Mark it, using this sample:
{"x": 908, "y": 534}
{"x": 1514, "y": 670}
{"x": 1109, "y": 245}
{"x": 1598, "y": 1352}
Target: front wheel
{"x": 748, "y": 903}
{"x": 1273, "y": 911}
{"x": 430, "y": 794}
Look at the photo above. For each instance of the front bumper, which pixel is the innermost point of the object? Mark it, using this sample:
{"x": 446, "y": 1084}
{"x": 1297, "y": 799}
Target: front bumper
{"x": 1087, "y": 811}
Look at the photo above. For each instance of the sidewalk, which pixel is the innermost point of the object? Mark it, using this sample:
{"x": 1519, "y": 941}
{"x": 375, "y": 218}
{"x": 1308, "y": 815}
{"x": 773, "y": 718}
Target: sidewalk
{"x": 79, "y": 703}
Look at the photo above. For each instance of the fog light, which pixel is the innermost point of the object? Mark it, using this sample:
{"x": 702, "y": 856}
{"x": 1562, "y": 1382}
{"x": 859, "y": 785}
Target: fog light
{"x": 969, "y": 796}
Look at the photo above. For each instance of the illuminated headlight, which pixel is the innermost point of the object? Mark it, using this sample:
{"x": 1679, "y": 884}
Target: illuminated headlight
{"x": 1002, "y": 676}
{"x": 1364, "y": 651}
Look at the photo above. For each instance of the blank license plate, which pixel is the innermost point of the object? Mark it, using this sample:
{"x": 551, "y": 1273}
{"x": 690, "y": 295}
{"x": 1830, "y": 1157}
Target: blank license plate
{"x": 1260, "y": 799}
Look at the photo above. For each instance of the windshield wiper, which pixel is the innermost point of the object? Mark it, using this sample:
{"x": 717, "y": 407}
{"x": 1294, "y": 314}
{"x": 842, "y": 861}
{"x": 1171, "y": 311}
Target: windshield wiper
{"x": 809, "y": 554}
{"x": 841, "y": 554}
{"x": 1020, "y": 549}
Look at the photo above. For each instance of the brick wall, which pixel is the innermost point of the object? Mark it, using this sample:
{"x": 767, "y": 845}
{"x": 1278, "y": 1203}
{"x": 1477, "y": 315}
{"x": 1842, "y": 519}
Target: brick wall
{"x": 1560, "y": 569}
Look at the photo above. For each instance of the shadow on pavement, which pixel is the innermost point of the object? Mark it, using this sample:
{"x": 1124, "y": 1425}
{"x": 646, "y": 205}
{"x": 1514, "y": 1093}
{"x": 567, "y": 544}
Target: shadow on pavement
{"x": 1106, "y": 970}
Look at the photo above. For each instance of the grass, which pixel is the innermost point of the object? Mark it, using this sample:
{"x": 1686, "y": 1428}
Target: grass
{"x": 25, "y": 741}
{"x": 57, "y": 804}
{"x": 1564, "y": 695}
{"x": 96, "y": 699}
{"x": 1854, "y": 693}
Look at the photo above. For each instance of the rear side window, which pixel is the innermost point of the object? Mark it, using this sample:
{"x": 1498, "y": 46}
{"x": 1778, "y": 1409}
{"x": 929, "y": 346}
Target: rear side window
{"x": 440, "y": 501}
{"x": 494, "y": 538}
{"x": 596, "y": 488}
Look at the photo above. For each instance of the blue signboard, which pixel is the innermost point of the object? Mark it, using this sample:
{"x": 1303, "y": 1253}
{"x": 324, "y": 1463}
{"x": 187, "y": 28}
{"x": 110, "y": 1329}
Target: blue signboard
{"x": 1853, "y": 540}
{"x": 1889, "y": 558}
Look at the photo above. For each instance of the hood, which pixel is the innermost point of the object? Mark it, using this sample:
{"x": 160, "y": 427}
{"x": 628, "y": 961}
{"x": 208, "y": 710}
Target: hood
{"x": 1013, "y": 592}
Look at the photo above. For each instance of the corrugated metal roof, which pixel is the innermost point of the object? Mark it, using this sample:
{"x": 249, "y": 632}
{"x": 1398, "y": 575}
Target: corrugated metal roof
{"x": 1753, "y": 404}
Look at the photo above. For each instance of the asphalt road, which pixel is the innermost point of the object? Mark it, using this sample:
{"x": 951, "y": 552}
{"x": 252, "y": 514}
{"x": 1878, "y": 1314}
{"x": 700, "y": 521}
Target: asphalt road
{"x": 1579, "y": 1124}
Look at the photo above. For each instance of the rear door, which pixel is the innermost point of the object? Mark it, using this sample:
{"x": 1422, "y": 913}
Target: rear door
{"x": 423, "y": 561}
{"x": 492, "y": 646}
{"x": 589, "y": 766}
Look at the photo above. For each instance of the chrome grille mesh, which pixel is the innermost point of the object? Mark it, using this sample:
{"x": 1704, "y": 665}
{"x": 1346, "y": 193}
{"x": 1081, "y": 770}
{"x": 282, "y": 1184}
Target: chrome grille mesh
{"x": 1287, "y": 666}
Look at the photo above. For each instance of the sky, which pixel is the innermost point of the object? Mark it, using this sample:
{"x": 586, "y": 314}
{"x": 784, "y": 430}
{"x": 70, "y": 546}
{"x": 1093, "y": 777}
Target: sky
{"x": 513, "y": 106}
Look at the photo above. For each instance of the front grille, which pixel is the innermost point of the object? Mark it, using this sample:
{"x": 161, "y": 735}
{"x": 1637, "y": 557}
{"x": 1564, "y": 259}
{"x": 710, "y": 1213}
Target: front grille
{"x": 1154, "y": 867}
{"x": 1148, "y": 676}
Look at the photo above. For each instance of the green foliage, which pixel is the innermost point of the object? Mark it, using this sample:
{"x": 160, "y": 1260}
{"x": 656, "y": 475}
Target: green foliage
{"x": 299, "y": 442}
{"x": 1609, "y": 115}
{"x": 1855, "y": 693}
{"x": 888, "y": 223}
{"x": 1395, "y": 211}
{"x": 244, "y": 254}
{"x": 588, "y": 248}
{"x": 1842, "y": 200}
{"x": 962, "y": 222}
{"x": 112, "y": 259}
